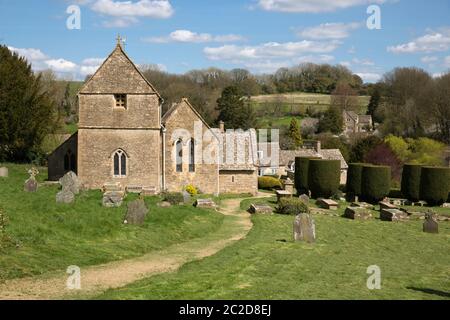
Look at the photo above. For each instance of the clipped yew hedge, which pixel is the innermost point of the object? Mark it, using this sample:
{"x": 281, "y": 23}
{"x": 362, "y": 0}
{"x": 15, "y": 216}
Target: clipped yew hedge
{"x": 354, "y": 174}
{"x": 268, "y": 183}
{"x": 375, "y": 183}
{"x": 410, "y": 186}
{"x": 301, "y": 175}
{"x": 324, "y": 177}
{"x": 434, "y": 184}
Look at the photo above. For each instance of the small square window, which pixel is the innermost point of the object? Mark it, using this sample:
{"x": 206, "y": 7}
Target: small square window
{"x": 121, "y": 100}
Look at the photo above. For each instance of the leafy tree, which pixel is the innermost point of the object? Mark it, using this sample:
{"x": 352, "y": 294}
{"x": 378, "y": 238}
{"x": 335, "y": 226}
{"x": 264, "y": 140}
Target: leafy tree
{"x": 234, "y": 111}
{"x": 362, "y": 147}
{"x": 26, "y": 111}
{"x": 374, "y": 103}
{"x": 399, "y": 146}
{"x": 332, "y": 121}
{"x": 328, "y": 141}
{"x": 295, "y": 134}
{"x": 345, "y": 97}
{"x": 382, "y": 155}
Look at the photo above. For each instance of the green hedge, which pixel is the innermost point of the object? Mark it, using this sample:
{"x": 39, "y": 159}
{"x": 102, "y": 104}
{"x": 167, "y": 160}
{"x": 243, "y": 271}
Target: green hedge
{"x": 301, "y": 175}
{"x": 292, "y": 206}
{"x": 434, "y": 185}
{"x": 354, "y": 174}
{"x": 324, "y": 177}
{"x": 375, "y": 183}
{"x": 269, "y": 183}
{"x": 411, "y": 181}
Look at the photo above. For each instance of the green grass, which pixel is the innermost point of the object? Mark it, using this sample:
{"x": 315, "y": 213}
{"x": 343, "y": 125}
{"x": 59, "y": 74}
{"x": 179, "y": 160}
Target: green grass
{"x": 269, "y": 265}
{"x": 52, "y": 236}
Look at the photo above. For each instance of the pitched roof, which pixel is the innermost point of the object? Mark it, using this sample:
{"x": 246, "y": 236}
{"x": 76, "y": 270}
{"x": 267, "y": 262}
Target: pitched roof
{"x": 288, "y": 156}
{"x": 118, "y": 74}
{"x": 175, "y": 106}
{"x": 334, "y": 154}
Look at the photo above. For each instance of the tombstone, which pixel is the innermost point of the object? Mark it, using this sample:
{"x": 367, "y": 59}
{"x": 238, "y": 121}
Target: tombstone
{"x": 164, "y": 204}
{"x": 136, "y": 212}
{"x": 387, "y": 205}
{"x": 205, "y": 203}
{"x": 113, "y": 199}
{"x": 260, "y": 209}
{"x": 444, "y": 205}
{"x": 393, "y": 215}
{"x": 304, "y": 228}
{"x": 430, "y": 224}
{"x": 288, "y": 185}
{"x": 364, "y": 205}
{"x": 70, "y": 182}
{"x": 30, "y": 185}
{"x": 4, "y": 172}
{"x": 283, "y": 194}
{"x": 327, "y": 204}
{"x": 357, "y": 213}
{"x": 65, "y": 196}
{"x": 304, "y": 198}
{"x": 186, "y": 197}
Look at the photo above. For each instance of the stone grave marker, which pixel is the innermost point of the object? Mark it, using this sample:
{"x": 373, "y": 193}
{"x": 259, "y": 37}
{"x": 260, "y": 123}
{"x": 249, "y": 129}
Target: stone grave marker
{"x": 70, "y": 182}
{"x": 4, "y": 173}
{"x": 304, "y": 228}
{"x": 357, "y": 213}
{"x": 430, "y": 224}
{"x": 136, "y": 212}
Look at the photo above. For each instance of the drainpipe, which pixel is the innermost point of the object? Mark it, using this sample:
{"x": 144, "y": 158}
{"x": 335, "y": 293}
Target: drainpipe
{"x": 163, "y": 130}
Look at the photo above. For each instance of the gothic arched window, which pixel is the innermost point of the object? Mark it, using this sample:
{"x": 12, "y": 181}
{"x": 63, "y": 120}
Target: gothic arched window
{"x": 179, "y": 155}
{"x": 70, "y": 161}
{"x": 192, "y": 155}
{"x": 120, "y": 163}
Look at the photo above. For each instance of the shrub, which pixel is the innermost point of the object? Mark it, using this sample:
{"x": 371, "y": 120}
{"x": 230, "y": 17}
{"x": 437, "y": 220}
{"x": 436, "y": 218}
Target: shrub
{"x": 269, "y": 183}
{"x": 434, "y": 184}
{"x": 354, "y": 173}
{"x": 324, "y": 177}
{"x": 291, "y": 206}
{"x": 375, "y": 183}
{"x": 173, "y": 197}
{"x": 411, "y": 181}
{"x": 191, "y": 190}
{"x": 301, "y": 175}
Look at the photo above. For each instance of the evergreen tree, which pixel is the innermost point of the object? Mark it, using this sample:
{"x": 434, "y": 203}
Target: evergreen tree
{"x": 295, "y": 134}
{"x": 332, "y": 121}
{"x": 26, "y": 111}
{"x": 234, "y": 111}
{"x": 67, "y": 103}
{"x": 374, "y": 104}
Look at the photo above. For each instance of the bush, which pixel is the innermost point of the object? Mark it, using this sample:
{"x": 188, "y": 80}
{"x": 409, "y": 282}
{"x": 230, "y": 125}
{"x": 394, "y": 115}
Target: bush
{"x": 375, "y": 183}
{"x": 292, "y": 206}
{"x": 269, "y": 183}
{"x": 410, "y": 185}
{"x": 354, "y": 173}
{"x": 434, "y": 185}
{"x": 301, "y": 175}
{"x": 191, "y": 190}
{"x": 173, "y": 197}
{"x": 324, "y": 177}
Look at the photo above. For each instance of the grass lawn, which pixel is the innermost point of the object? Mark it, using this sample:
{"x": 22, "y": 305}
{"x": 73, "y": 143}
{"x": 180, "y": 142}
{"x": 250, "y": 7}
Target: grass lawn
{"x": 269, "y": 265}
{"x": 47, "y": 236}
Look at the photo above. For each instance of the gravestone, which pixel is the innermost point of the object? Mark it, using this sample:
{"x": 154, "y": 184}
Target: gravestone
{"x": 364, "y": 205}
{"x": 31, "y": 184}
{"x": 65, "y": 196}
{"x": 4, "y": 172}
{"x": 283, "y": 194}
{"x": 304, "y": 198}
{"x": 327, "y": 204}
{"x": 304, "y": 228}
{"x": 357, "y": 213}
{"x": 393, "y": 215}
{"x": 136, "y": 212}
{"x": 113, "y": 199}
{"x": 205, "y": 203}
{"x": 261, "y": 209}
{"x": 387, "y": 205}
{"x": 186, "y": 197}
{"x": 70, "y": 182}
{"x": 288, "y": 185}
{"x": 430, "y": 225}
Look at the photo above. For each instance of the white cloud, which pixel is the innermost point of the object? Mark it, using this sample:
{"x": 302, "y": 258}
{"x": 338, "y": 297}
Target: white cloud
{"x": 369, "y": 77}
{"x": 447, "y": 61}
{"x": 269, "y": 50}
{"x": 434, "y": 41}
{"x": 312, "y": 6}
{"x": 189, "y": 36}
{"x": 61, "y": 65}
{"x": 329, "y": 31}
{"x": 429, "y": 59}
{"x": 121, "y": 22}
{"x": 144, "y": 8}
{"x": 29, "y": 53}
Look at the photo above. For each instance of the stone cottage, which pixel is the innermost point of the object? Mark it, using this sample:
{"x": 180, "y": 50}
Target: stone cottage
{"x": 123, "y": 137}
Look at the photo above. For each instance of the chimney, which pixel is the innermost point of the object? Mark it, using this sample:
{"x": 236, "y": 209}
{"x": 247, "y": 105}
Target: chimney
{"x": 222, "y": 126}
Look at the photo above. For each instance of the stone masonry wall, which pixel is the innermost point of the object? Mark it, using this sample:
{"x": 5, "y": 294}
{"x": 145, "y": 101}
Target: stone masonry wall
{"x": 238, "y": 182}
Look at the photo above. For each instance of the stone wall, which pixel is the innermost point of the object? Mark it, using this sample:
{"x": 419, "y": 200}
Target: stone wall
{"x": 238, "y": 181}
{"x": 56, "y": 159}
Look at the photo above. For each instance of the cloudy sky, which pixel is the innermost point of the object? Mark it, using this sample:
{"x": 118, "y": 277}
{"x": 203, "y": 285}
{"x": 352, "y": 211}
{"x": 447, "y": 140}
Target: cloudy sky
{"x": 260, "y": 35}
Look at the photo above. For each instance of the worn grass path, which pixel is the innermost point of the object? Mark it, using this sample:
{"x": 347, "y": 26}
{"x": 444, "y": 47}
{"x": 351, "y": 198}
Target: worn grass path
{"x": 96, "y": 279}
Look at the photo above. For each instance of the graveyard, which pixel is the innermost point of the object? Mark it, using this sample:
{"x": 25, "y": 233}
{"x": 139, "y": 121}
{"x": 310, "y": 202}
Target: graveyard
{"x": 44, "y": 236}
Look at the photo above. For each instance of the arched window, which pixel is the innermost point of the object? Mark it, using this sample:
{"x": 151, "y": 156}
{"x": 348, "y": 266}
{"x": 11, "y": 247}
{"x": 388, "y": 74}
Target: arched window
{"x": 179, "y": 155}
{"x": 120, "y": 163}
{"x": 70, "y": 161}
{"x": 192, "y": 155}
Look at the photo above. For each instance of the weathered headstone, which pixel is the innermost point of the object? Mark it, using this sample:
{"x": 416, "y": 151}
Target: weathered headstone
{"x": 430, "y": 224}
{"x": 393, "y": 215}
{"x": 205, "y": 203}
{"x": 446, "y": 205}
{"x": 31, "y": 184}
{"x": 136, "y": 212}
{"x": 283, "y": 194}
{"x": 364, "y": 205}
{"x": 357, "y": 213}
{"x": 186, "y": 197}
{"x": 288, "y": 185}
{"x": 70, "y": 182}
{"x": 327, "y": 204}
{"x": 304, "y": 198}
{"x": 65, "y": 196}
{"x": 4, "y": 172}
{"x": 387, "y": 205}
{"x": 113, "y": 199}
{"x": 260, "y": 209}
{"x": 304, "y": 228}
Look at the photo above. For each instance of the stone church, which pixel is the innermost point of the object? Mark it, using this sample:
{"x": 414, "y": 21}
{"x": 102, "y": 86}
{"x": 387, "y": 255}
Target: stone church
{"x": 123, "y": 137}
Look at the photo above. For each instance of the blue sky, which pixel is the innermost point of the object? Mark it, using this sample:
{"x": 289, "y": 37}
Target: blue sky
{"x": 260, "y": 35}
